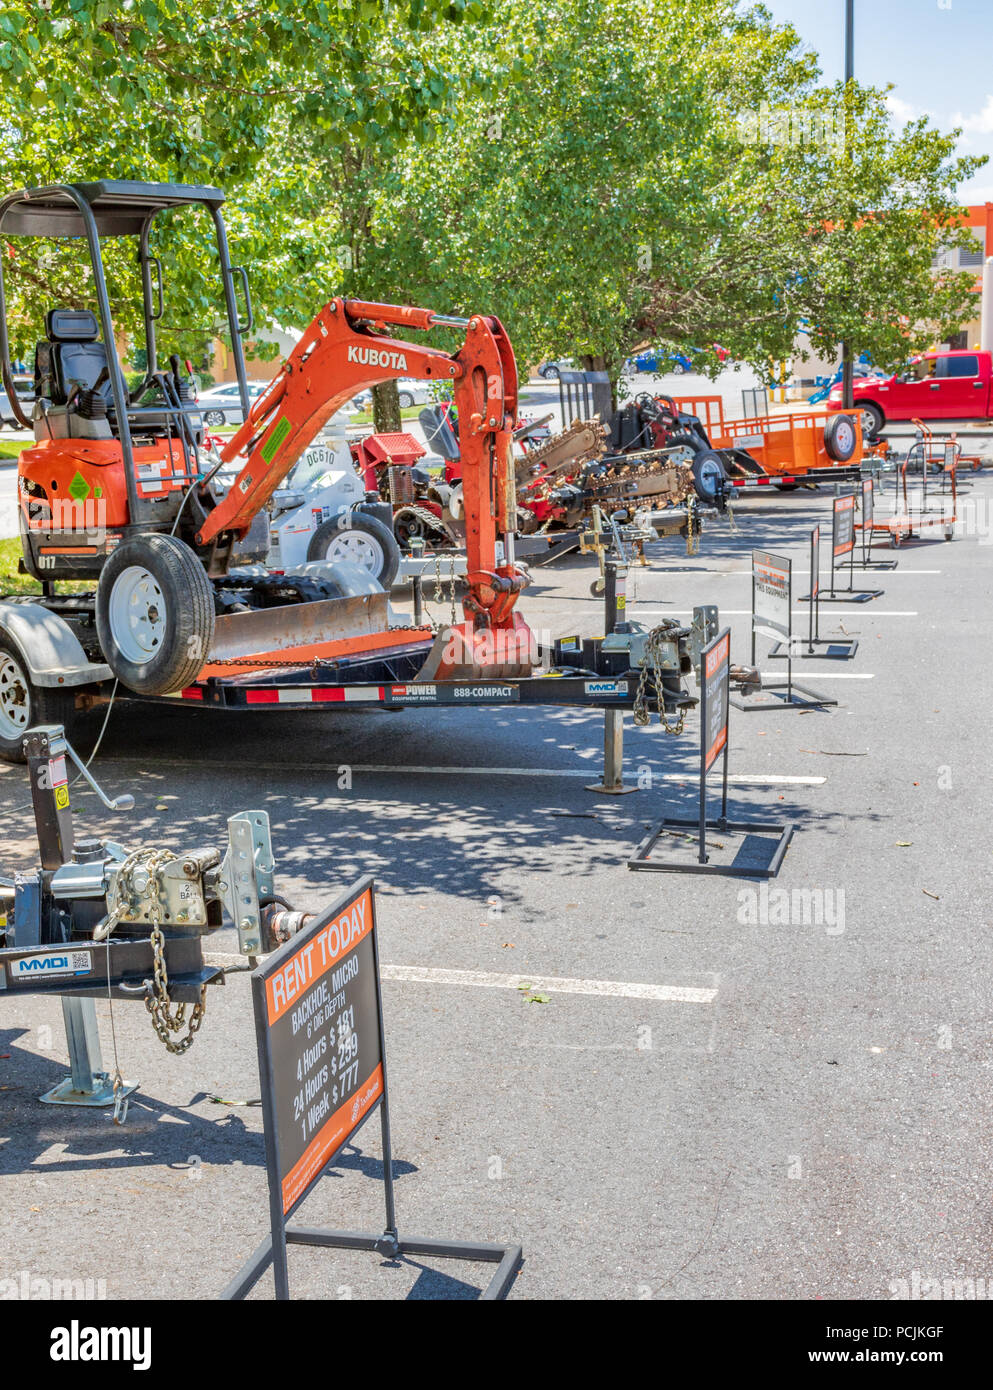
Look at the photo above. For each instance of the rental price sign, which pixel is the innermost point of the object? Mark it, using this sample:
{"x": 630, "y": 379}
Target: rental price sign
{"x": 318, "y": 1020}
{"x": 843, "y": 538}
{"x": 716, "y": 660}
{"x": 770, "y": 594}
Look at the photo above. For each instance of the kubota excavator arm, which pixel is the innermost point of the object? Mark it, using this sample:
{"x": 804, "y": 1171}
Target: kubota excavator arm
{"x": 346, "y": 350}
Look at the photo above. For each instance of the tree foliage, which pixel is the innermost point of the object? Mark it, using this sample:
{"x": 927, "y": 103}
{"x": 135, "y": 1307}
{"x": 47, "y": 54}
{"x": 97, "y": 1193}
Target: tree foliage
{"x": 597, "y": 176}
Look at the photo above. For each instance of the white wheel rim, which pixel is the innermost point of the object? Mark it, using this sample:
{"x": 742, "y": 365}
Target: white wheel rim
{"x": 844, "y": 437}
{"x": 358, "y": 548}
{"x": 709, "y": 476}
{"x": 15, "y": 699}
{"x": 137, "y": 613}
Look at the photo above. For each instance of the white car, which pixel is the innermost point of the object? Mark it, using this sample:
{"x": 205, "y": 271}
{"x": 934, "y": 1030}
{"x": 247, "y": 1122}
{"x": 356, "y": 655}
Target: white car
{"x": 24, "y": 386}
{"x": 221, "y": 405}
{"x": 410, "y": 391}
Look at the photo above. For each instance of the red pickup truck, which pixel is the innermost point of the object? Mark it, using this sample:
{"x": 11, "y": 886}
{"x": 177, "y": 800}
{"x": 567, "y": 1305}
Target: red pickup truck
{"x": 937, "y": 386}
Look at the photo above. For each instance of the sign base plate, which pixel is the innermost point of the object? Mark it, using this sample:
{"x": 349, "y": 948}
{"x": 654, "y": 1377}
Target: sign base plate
{"x": 845, "y": 595}
{"x": 835, "y": 649}
{"x": 778, "y": 834}
{"x": 786, "y": 695}
{"x": 507, "y": 1258}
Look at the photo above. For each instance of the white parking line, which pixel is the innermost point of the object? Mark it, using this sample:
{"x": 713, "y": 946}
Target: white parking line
{"x": 797, "y": 612}
{"x": 488, "y": 979}
{"x": 823, "y": 675}
{"x": 748, "y": 779}
{"x": 718, "y": 574}
{"x": 553, "y": 984}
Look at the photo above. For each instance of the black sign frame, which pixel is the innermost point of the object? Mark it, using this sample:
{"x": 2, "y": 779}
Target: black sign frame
{"x": 867, "y": 526}
{"x": 778, "y": 694}
{"x": 273, "y": 1250}
{"x": 715, "y": 742}
{"x": 836, "y": 649}
{"x": 843, "y": 522}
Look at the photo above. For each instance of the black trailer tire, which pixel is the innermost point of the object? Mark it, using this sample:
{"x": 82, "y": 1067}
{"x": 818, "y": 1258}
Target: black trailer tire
{"x": 709, "y": 474}
{"x": 840, "y": 438}
{"x": 155, "y": 614}
{"x": 362, "y": 539}
{"x": 24, "y": 705}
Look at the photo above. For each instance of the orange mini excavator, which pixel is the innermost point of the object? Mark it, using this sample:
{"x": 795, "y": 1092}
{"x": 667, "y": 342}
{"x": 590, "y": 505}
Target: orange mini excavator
{"x": 125, "y": 487}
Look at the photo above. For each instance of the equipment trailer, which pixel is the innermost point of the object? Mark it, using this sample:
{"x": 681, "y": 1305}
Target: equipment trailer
{"x": 120, "y": 488}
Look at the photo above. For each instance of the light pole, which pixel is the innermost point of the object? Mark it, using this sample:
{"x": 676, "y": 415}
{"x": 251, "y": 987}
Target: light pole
{"x": 847, "y": 396}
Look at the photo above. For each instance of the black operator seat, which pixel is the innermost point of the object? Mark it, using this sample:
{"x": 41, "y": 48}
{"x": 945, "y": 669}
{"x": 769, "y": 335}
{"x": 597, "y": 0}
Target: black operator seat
{"x": 71, "y": 356}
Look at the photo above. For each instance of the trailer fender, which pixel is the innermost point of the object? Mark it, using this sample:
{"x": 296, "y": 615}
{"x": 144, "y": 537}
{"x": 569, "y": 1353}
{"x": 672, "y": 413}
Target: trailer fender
{"x": 51, "y": 650}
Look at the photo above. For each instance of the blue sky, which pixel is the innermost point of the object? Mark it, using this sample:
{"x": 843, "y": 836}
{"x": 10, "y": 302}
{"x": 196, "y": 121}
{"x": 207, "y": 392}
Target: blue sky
{"x": 937, "y": 53}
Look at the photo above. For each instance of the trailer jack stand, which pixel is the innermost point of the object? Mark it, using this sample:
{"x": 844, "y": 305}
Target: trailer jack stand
{"x": 87, "y": 1082}
{"x": 613, "y": 756}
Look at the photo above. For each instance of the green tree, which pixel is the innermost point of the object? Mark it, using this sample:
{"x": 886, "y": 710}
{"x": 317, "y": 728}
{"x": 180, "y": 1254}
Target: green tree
{"x": 206, "y": 91}
{"x": 621, "y": 187}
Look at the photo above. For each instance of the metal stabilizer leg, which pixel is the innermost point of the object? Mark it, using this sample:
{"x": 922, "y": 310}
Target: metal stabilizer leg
{"x": 87, "y": 1082}
{"x": 613, "y": 756}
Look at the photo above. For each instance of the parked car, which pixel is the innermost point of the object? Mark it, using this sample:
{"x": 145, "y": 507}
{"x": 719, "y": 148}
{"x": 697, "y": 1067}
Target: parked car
{"x": 550, "y": 371}
{"x": 221, "y": 405}
{"x": 652, "y": 361}
{"x": 673, "y": 363}
{"x": 410, "y": 391}
{"x": 955, "y": 385}
{"x": 24, "y": 386}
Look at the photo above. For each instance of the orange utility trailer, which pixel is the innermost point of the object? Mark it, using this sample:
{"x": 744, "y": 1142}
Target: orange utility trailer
{"x": 786, "y": 450}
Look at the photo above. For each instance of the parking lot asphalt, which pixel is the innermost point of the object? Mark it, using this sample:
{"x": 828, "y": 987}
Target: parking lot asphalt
{"x": 802, "y": 1115}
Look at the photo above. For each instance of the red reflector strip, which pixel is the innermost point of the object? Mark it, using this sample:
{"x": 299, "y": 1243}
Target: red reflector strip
{"x": 192, "y": 692}
{"x": 305, "y": 695}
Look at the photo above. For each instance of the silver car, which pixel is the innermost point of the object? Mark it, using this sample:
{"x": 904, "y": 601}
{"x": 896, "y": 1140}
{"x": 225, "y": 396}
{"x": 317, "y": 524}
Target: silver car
{"x": 221, "y": 405}
{"x": 24, "y": 386}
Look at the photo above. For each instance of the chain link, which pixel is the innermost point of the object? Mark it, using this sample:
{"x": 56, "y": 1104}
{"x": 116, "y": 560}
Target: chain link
{"x": 652, "y": 662}
{"x": 439, "y": 589}
{"x": 159, "y": 1005}
{"x": 692, "y": 527}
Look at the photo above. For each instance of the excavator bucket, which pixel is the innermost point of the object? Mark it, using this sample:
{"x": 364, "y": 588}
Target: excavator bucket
{"x": 302, "y": 633}
{"x": 462, "y": 652}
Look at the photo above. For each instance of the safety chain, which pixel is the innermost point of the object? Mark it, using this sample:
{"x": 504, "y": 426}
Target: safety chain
{"x": 159, "y": 1005}
{"x": 692, "y": 528}
{"x": 439, "y": 591}
{"x": 653, "y": 662}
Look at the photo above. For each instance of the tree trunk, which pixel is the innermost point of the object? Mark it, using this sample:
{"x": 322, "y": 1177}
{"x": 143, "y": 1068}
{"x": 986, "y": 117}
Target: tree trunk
{"x": 386, "y": 408}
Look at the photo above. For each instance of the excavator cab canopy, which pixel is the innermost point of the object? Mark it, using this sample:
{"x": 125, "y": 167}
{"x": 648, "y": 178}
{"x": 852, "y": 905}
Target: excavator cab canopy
{"x": 79, "y": 348}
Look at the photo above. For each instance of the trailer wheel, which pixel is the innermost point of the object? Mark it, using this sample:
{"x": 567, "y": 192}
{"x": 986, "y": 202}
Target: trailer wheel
{"x": 709, "y": 474}
{"x": 155, "y": 614}
{"x": 23, "y": 705}
{"x": 362, "y": 540}
{"x": 840, "y": 438}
